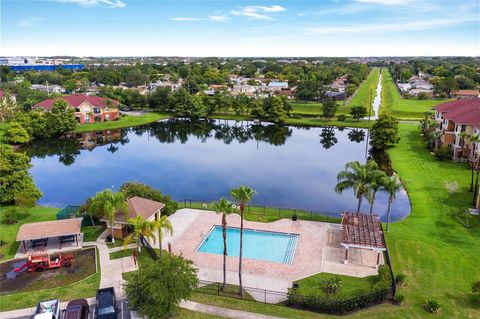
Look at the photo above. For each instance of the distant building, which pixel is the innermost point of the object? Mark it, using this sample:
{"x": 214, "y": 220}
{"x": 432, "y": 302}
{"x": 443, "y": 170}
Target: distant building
{"x": 48, "y": 88}
{"x": 45, "y": 67}
{"x": 88, "y": 108}
{"x": 466, "y": 94}
{"x": 416, "y": 85}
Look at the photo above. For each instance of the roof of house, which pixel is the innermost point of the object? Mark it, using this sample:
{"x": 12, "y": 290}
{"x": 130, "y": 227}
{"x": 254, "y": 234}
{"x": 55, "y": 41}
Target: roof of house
{"x": 75, "y": 100}
{"x": 463, "y": 111}
{"x": 52, "y": 228}
{"x": 467, "y": 92}
{"x": 139, "y": 206}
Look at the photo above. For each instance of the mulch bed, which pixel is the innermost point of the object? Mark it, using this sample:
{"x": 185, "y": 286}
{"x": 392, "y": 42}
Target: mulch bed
{"x": 83, "y": 266}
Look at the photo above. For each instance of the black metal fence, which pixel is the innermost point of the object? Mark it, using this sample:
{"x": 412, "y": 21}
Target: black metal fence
{"x": 249, "y": 293}
{"x": 148, "y": 247}
{"x": 266, "y": 212}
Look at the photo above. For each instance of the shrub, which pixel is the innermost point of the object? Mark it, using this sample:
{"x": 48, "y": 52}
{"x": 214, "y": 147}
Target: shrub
{"x": 332, "y": 285}
{"x": 399, "y": 299}
{"x": 443, "y": 153}
{"x": 11, "y": 215}
{"x": 476, "y": 287}
{"x": 341, "y": 118}
{"x": 294, "y": 217}
{"x": 422, "y": 96}
{"x": 431, "y": 306}
{"x": 400, "y": 279}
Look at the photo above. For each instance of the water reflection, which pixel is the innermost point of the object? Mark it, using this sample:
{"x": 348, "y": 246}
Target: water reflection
{"x": 201, "y": 160}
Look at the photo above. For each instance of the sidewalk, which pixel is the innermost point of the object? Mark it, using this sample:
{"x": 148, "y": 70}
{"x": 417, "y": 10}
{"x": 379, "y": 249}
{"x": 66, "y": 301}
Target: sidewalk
{"x": 222, "y": 312}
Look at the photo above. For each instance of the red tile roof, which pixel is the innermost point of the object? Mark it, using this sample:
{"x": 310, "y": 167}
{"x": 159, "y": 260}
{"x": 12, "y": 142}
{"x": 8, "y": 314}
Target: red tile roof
{"x": 75, "y": 100}
{"x": 138, "y": 206}
{"x": 465, "y": 111}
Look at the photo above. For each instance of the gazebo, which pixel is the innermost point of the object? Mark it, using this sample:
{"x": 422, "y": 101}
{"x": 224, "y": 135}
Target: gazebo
{"x": 362, "y": 231}
{"x": 66, "y": 230}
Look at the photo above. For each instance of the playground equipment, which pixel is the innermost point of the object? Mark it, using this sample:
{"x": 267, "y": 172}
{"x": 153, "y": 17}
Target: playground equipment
{"x": 38, "y": 261}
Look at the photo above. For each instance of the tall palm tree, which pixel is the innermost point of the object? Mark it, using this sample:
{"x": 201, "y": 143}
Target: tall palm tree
{"x": 163, "y": 225}
{"x": 358, "y": 177}
{"x": 225, "y": 208}
{"x": 435, "y": 136}
{"x": 375, "y": 185}
{"x": 392, "y": 186}
{"x": 474, "y": 139}
{"x": 243, "y": 195}
{"x": 107, "y": 203}
{"x": 141, "y": 227}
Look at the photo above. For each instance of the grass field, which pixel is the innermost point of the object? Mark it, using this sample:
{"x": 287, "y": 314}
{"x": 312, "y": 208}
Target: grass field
{"x": 393, "y": 103}
{"x": 438, "y": 255}
{"x": 366, "y": 92}
{"x": 124, "y": 121}
{"x": 8, "y": 233}
{"x": 312, "y": 109}
{"x": 91, "y": 233}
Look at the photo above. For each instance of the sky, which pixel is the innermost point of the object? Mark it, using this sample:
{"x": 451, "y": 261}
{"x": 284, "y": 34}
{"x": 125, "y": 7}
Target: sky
{"x": 240, "y": 28}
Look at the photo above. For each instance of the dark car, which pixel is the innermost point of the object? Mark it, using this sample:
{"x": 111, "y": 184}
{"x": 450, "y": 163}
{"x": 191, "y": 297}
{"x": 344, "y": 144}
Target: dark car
{"x": 106, "y": 301}
{"x": 77, "y": 309}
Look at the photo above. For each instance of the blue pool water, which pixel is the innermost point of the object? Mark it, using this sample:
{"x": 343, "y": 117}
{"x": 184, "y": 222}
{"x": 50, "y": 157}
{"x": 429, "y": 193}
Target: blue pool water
{"x": 257, "y": 244}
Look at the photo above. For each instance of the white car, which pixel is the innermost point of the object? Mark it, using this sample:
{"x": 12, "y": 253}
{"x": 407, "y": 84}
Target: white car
{"x": 49, "y": 309}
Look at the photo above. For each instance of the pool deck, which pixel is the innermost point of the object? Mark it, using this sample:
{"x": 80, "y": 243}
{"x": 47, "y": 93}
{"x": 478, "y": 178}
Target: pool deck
{"x": 318, "y": 250}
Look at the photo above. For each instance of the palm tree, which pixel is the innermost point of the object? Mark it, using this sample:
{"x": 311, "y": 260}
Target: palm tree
{"x": 163, "y": 225}
{"x": 392, "y": 186}
{"x": 224, "y": 207}
{"x": 435, "y": 136}
{"x": 474, "y": 139}
{"x": 375, "y": 185}
{"x": 107, "y": 203}
{"x": 243, "y": 195}
{"x": 141, "y": 227}
{"x": 358, "y": 177}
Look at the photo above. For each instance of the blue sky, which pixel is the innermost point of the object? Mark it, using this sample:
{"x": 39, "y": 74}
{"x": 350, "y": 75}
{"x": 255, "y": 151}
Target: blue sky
{"x": 240, "y": 28}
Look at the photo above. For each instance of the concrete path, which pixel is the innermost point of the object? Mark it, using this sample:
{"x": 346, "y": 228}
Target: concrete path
{"x": 222, "y": 312}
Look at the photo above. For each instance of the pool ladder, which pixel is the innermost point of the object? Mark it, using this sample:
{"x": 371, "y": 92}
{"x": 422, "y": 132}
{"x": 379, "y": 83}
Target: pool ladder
{"x": 290, "y": 253}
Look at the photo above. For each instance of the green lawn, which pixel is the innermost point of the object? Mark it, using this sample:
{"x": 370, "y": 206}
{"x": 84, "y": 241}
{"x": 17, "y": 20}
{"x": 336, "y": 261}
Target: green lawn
{"x": 124, "y": 121}
{"x": 366, "y": 92}
{"x": 393, "y": 103}
{"x": 312, "y": 109}
{"x": 312, "y": 286}
{"x": 8, "y": 233}
{"x": 91, "y": 233}
{"x": 266, "y": 214}
{"x": 439, "y": 256}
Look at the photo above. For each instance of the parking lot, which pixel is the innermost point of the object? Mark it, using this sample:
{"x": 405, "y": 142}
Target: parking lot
{"x": 122, "y": 306}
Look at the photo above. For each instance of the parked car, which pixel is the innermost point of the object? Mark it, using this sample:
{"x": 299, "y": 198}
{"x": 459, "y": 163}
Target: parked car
{"x": 106, "y": 301}
{"x": 49, "y": 309}
{"x": 77, "y": 309}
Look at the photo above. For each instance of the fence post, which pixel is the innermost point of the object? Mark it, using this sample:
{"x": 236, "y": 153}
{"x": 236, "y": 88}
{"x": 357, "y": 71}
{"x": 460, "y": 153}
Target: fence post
{"x": 279, "y": 212}
{"x": 263, "y": 210}
{"x": 184, "y": 203}
{"x": 218, "y": 288}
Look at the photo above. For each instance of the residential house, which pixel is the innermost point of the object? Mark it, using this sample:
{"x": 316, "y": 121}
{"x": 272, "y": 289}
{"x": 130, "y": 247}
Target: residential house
{"x": 466, "y": 94}
{"x": 88, "y": 108}
{"x": 173, "y": 86}
{"x": 48, "y": 88}
{"x": 458, "y": 121}
{"x": 416, "y": 85}
{"x": 248, "y": 90}
{"x": 137, "y": 206}
{"x": 339, "y": 84}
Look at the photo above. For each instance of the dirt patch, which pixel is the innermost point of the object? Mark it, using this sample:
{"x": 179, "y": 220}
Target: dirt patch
{"x": 83, "y": 267}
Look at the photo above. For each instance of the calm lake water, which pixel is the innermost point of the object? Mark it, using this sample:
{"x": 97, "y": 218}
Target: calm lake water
{"x": 287, "y": 166}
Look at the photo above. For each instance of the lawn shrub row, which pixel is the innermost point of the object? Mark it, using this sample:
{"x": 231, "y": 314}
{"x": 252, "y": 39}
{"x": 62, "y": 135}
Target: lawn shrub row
{"x": 335, "y": 304}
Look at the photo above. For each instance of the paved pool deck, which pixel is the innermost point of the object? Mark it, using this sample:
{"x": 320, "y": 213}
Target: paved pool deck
{"x": 318, "y": 250}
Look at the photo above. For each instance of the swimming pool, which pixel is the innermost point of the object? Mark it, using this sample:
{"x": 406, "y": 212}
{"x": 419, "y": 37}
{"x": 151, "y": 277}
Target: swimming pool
{"x": 257, "y": 244}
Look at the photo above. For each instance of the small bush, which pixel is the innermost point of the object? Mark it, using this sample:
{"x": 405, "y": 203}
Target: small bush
{"x": 476, "y": 287}
{"x": 332, "y": 285}
{"x": 295, "y": 116}
{"x": 399, "y": 299}
{"x": 422, "y": 96}
{"x": 431, "y": 306}
{"x": 400, "y": 279}
{"x": 11, "y": 215}
{"x": 294, "y": 217}
{"x": 443, "y": 153}
{"x": 341, "y": 118}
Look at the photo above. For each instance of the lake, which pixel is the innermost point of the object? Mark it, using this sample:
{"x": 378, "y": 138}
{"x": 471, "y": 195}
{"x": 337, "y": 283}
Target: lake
{"x": 289, "y": 167}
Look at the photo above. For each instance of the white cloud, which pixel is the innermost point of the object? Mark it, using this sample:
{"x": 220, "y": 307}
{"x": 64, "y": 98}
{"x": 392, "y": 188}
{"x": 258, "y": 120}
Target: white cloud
{"x": 391, "y": 27}
{"x": 185, "y": 19}
{"x": 93, "y": 3}
{"x": 387, "y": 2}
{"x": 258, "y": 12}
{"x": 219, "y": 18}
{"x": 29, "y": 22}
